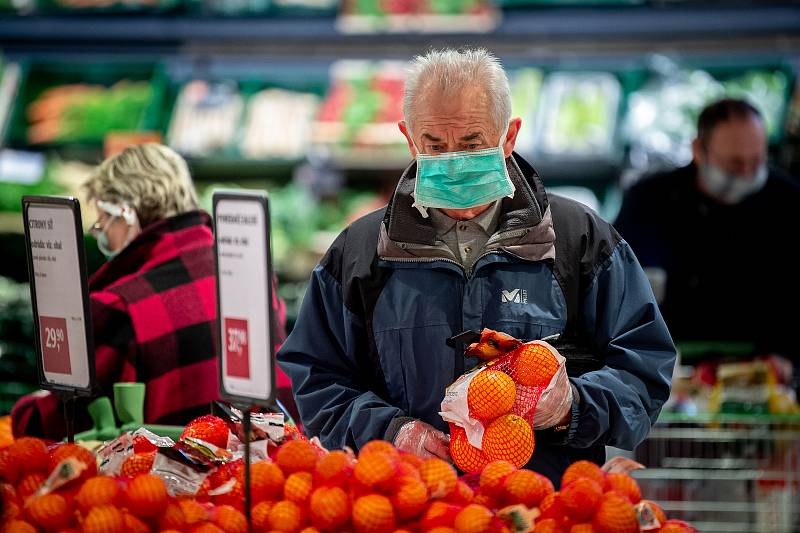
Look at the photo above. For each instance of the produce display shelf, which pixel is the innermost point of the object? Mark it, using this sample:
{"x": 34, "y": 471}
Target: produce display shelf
{"x": 611, "y": 22}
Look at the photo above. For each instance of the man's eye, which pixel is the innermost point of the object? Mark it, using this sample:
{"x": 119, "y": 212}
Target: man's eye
{"x": 473, "y": 146}
{"x": 435, "y": 148}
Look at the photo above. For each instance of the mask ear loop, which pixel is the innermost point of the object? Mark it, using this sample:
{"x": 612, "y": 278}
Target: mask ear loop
{"x": 422, "y": 210}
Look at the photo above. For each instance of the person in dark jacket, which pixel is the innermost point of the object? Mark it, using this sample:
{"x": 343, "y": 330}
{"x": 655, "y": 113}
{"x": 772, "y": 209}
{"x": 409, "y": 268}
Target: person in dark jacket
{"x": 153, "y": 304}
{"x": 717, "y": 236}
{"x": 471, "y": 240}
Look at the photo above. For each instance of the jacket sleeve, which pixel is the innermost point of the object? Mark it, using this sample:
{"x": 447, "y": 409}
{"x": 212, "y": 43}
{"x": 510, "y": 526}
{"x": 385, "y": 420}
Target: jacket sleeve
{"x": 617, "y": 404}
{"x": 40, "y": 414}
{"x": 335, "y": 400}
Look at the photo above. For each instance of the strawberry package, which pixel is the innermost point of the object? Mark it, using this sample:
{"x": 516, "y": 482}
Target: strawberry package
{"x": 492, "y": 409}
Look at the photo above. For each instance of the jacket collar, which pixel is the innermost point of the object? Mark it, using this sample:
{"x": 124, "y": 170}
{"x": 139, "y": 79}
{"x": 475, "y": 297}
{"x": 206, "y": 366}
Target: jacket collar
{"x": 524, "y": 227}
{"x": 155, "y": 244}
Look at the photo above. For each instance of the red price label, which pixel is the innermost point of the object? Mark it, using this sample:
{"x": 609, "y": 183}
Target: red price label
{"x": 55, "y": 344}
{"x": 237, "y": 353}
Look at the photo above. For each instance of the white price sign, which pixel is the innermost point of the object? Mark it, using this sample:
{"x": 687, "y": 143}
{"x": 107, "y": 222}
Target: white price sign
{"x": 244, "y": 273}
{"x": 57, "y": 271}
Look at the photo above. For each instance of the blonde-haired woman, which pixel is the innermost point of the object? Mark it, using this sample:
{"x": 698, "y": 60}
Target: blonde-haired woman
{"x": 154, "y": 302}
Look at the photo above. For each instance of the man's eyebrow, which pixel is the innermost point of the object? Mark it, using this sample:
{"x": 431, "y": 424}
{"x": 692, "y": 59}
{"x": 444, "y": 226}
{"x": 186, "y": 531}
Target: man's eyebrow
{"x": 471, "y": 136}
{"x": 431, "y": 137}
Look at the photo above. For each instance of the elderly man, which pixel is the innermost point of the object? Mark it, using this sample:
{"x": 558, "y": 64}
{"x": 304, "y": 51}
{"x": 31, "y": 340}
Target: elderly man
{"x": 470, "y": 223}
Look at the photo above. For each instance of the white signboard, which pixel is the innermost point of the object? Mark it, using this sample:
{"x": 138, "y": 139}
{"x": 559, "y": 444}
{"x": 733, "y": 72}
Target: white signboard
{"x": 244, "y": 274}
{"x": 57, "y": 270}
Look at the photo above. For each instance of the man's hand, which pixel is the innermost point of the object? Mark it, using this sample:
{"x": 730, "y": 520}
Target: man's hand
{"x": 423, "y": 440}
{"x": 555, "y": 405}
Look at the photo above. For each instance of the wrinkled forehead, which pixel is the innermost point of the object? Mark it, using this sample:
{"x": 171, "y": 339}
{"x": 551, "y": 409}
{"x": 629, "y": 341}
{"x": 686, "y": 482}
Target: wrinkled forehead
{"x": 449, "y": 108}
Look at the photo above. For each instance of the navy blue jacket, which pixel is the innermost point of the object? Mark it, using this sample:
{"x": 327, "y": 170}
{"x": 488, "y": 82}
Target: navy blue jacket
{"x": 368, "y": 350}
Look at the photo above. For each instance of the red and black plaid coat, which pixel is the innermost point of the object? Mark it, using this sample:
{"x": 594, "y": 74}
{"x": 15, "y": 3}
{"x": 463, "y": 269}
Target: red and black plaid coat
{"x": 154, "y": 315}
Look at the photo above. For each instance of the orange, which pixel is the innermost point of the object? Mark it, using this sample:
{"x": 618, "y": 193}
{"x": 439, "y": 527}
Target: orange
{"x": 375, "y": 468}
{"x": 373, "y": 514}
{"x": 259, "y": 515}
{"x": 9, "y": 503}
{"x": 535, "y": 365}
{"x": 309, "y": 530}
{"x": 438, "y": 476}
{"x": 581, "y": 498}
{"x": 30, "y": 455}
{"x": 493, "y": 476}
{"x": 50, "y": 511}
{"x": 466, "y": 456}
{"x": 147, "y": 496}
{"x": 411, "y": 459}
{"x": 548, "y": 525}
{"x": 193, "y": 512}
{"x": 440, "y": 514}
{"x": 410, "y": 499}
{"x": 231, "y": 520}
{"x": 332, "y": 469}
{"x": 287, "y": 516}
{"x": 9, "y": 470}
{"x": 473, "y": 518}
{"x": 676, "y": 526}
{"x": 266, "y": 481}
{"x": 442, "y": 529}
{"x": 99, "y": 490}
{"x": 526, "y": 487}
{"x": 173, "y": 517}
{"x": 586, "y": 527}
{"x": 298, "y": 488}
{"x": 485, "y": 500}
{"x": 583, "y": 469}
{"x": 625, "y": 485}
{"x": 18, "y": 526}
{"x": 406, "y": 470}
{"x": 461, "y": 495}
{"x": 234, "y": 497}
{"x": 104, "y": 519}
{"x": 296, "y": 456}
{"x": 133, "y": 524}
{"x": 490, "y": 394}
{"x": 380, "y": 446}
{"x": 615, "y": 515}
{"x": 29, "y": 484}
{"x": 78, "y": 452}
{"x": 138, "y": 463}
{"x": 206, "y": 527}
{"x": 509, "y": 438}
{"x": 551, "y": 507}
{"x": 652, "y": 508}
{"x": 330, "y": 508}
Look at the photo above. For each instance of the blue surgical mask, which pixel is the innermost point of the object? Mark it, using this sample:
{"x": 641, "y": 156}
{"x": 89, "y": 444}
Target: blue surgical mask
{"x": 461, "y": 180}
{"x": 103, "y": 246}
{"x": 729, "y": 188}
{"x": 101, "y": 233}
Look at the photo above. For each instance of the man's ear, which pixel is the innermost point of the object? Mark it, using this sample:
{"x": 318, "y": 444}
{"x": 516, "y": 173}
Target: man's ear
{"x": 698, "y": 154}
{"x": 511, "y": 137}
{"x": 404, "y": 129}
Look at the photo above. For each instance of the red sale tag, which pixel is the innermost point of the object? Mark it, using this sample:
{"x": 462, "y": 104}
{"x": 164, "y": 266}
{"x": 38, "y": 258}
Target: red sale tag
{"x": 237, "y": 354}
{"x": 55, "y": 344}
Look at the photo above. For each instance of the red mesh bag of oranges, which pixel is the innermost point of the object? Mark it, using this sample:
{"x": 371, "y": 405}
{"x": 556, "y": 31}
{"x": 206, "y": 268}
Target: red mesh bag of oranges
{"x": 491, "y": 408}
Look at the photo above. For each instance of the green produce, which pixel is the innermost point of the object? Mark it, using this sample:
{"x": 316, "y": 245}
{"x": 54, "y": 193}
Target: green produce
{"x": 86, "y": 113}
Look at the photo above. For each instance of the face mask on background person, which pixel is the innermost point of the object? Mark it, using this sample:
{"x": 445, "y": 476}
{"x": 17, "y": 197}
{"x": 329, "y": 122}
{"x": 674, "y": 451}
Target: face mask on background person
{"x": 461, "y": 180}
{"x": 729, "y": 188}
{"x": 100, "y": 233}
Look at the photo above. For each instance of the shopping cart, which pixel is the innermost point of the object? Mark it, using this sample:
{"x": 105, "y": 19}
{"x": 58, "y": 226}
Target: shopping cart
{"x": 731, "y": 473}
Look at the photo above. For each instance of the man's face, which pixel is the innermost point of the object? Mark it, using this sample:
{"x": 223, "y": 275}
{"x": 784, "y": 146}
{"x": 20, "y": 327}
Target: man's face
{"x": 737, "y": 146}
{"x": 444, "y": 124}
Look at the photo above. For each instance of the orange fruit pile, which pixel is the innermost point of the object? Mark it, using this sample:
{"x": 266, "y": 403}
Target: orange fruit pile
{"x": 307, "y": 490}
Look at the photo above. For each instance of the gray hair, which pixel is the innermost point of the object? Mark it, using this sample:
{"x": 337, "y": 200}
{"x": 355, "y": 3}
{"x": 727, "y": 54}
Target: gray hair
{"x": 152, "y": 178}
{"x": 450, "y": 72}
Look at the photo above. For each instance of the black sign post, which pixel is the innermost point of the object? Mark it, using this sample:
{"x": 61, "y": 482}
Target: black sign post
{"x": 60, "y": 299}
{"x": 244, "y": 306}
